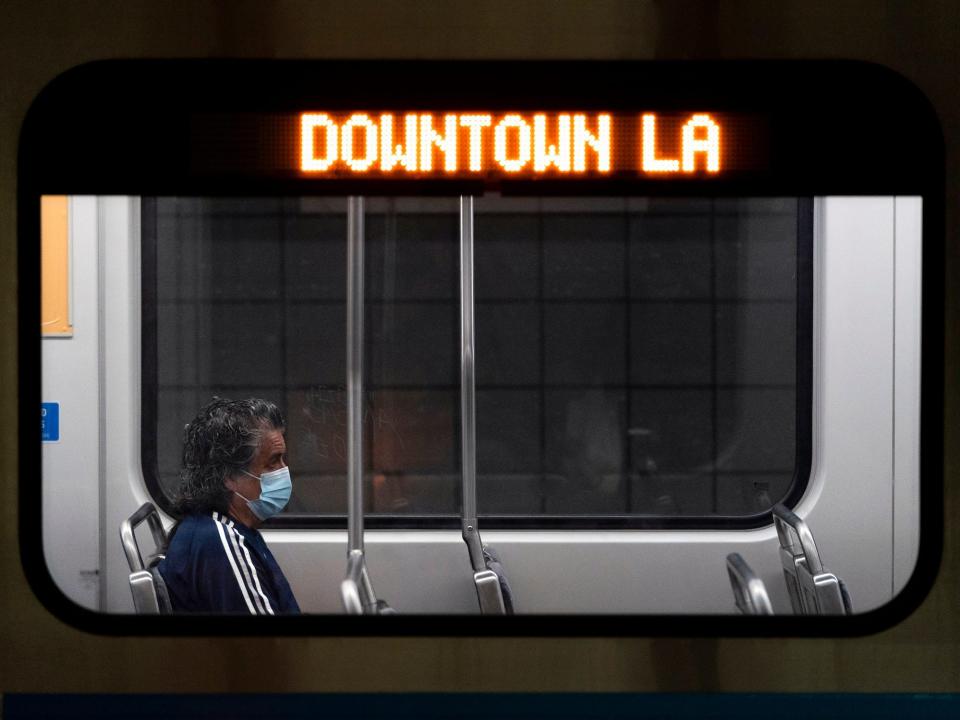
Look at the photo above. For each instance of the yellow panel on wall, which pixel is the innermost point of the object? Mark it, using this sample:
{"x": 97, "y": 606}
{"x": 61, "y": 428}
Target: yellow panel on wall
{"x": 55, "y": 267}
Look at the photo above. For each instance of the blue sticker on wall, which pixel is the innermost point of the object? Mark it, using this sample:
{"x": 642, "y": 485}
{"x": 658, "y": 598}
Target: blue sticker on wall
{"x": 50, "y": 422}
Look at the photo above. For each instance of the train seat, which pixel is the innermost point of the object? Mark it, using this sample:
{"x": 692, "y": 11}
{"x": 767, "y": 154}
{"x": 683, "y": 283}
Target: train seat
{"x": 149, "y": 591}
{"x": 493, "y": 563}
{"x": 749, "y": 592}
{"x": 356, "y": 590}
{"x": 812, "y": 589}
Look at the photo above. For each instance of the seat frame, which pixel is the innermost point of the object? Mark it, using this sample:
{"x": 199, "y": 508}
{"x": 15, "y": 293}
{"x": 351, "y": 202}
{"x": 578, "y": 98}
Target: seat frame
{"x": 749, "y": 592}
{"x": 146, "y": 584}
{"x": 812, "y": 589}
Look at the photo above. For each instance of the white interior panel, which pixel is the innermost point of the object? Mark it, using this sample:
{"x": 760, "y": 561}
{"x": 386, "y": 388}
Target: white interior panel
{"x": 906, "y": 401}
{"x": 849, "y": 504}
{"x": 125, "y": 489}
{"x": 863, "y": 487}
{"x": 71, "y": 466}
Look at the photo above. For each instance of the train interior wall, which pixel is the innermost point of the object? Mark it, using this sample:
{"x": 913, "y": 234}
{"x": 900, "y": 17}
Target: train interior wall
{"x": 861, "y": 501}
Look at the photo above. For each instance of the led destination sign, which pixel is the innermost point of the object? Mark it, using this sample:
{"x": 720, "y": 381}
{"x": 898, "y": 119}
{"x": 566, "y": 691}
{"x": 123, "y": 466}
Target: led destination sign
{"x": 518, "y": 144}
{"x": 517, "y": 128}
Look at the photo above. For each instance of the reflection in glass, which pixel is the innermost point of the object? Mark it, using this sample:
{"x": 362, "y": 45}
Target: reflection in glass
{"x": 634, "y": 356}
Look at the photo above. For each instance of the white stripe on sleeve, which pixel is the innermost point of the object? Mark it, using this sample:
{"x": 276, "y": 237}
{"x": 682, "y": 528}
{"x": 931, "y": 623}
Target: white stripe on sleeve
{"x": 233, "y": 564}
{"x": 249, "y": 571}
{"x": 253, "y": 571}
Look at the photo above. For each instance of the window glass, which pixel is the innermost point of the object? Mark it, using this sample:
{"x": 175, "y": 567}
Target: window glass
{"x": 634, "y": 357}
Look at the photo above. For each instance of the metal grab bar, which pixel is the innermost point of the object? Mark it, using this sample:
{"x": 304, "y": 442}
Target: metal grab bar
{"x": 749, "y": 592}
{"x": 128, "y": 537}
{"x": 468, "y": 434}
{"x": 146, "y": 585}
{"x": 792, "y": 557}
{"x": 485, "y": 580}
{"x": 355, "y": 373}
{"x": 350, "y": 587}
{"x": 786, "y": 521}
{"x": 356, "y": 590}
{"x": 812, "y": 590}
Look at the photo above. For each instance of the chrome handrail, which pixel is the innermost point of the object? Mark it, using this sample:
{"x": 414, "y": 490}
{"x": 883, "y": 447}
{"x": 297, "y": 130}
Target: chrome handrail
{"x": 353, "y": 589}
{"x": 749, "y": 592}
{"x": 813, "y": 590}
{"x": 486, "y": 582}
{"x": 355, "y": 373}
{"x": 128, "y": 538}
{"x": 142, "y": 582}
{"x": 468, "y": 432}
{"x": 786, "y": 521}
{"x": 356, "y": 590}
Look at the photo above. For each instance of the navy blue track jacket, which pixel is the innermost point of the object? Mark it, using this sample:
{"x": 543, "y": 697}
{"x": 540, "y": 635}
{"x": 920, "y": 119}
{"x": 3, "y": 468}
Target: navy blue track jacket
{"x": 216, "y": 564}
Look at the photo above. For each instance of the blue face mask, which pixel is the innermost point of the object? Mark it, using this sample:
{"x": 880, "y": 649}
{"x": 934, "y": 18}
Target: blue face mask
{"x": 275, "y": 490}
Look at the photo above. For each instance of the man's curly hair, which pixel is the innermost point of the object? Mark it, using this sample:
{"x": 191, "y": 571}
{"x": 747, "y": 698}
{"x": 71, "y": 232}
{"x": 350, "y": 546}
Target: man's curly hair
{"x": 221, "y": 441}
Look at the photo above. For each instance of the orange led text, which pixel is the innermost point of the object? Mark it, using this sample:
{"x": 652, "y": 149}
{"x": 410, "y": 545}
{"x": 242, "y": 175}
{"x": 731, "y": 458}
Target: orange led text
{"x": 517, "y": 144}
{"x": 473, "y": 142}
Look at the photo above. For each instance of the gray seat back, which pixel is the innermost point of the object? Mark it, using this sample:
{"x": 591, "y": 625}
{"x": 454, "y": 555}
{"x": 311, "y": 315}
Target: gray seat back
{"x": 812, "y": 589}
{"x": 160, "y": 588}
{"x": 146, "y": 584}
{"x": 502, "y": 593}
{"x": 144, "y": 591}
{"x": 749, "y": 592}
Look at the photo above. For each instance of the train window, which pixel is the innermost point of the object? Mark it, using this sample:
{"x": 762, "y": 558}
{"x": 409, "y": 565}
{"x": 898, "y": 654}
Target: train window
{"x": 674, "y": 326}
{"x": 637, "y": 358}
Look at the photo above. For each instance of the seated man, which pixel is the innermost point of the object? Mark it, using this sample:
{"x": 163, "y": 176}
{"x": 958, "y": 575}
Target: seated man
{"x": 234, "y": 477}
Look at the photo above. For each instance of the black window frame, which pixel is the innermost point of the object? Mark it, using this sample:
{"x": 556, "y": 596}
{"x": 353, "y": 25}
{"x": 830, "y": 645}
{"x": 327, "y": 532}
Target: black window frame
{"x": 811, "y": 154}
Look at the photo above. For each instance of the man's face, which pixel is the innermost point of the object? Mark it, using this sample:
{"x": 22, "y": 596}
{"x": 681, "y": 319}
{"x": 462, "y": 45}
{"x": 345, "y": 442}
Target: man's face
{"x": 271, "y": 455}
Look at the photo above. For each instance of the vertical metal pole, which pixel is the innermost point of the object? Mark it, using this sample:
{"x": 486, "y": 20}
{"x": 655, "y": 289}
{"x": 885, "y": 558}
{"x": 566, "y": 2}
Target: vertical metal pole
{"x": 471, "y": 533}
{"x": 355, "y": 373}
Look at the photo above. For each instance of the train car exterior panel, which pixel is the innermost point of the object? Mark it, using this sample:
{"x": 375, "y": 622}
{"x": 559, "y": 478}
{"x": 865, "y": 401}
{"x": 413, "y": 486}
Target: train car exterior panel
{"x": 42, "y": 654}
